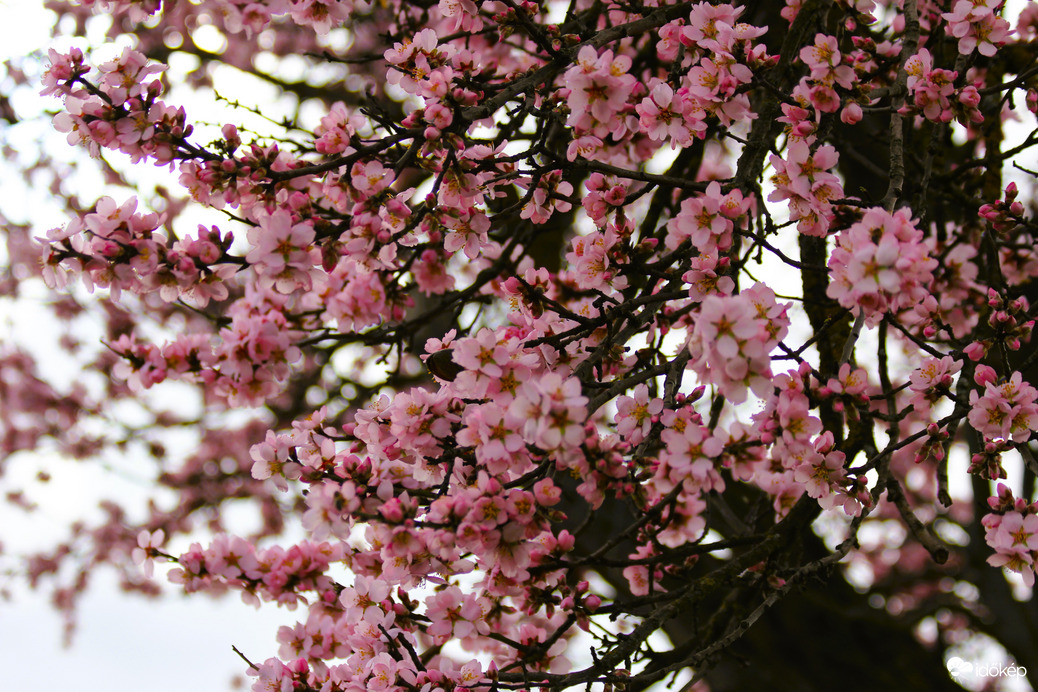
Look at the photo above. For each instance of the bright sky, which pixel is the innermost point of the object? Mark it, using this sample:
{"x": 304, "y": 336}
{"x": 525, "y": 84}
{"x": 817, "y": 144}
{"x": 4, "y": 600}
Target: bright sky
{"x": 124, "y": 643}
{"x": 23, "y": 26}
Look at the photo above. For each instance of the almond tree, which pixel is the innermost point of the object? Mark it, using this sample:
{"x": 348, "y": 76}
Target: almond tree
{"x": 563, "y": 324}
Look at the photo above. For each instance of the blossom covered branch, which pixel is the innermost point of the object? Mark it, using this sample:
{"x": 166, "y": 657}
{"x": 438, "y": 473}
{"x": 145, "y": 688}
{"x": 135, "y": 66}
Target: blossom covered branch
{"x": 508, "y": 319}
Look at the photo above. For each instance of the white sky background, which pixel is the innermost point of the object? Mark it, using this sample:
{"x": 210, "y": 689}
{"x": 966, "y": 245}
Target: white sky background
{"x": 124, "y": 643}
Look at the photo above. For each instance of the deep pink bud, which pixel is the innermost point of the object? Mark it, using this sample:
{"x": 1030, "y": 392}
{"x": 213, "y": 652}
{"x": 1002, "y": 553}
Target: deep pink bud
{"x": 985, "y": 374}
{"x": 975, "y": 351}
{"x": 851, "y": 114}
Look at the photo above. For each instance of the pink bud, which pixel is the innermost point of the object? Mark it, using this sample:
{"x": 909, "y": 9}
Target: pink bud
{"x": 851, "y": 114}
{"x": 803, "y": 129}
{"x": 565, "y": 541}
{"x": 969, "y": 96}
{"x": 298, "y": 200}
{"x": 975, "y": 351}
{"x": 985, "y": 374}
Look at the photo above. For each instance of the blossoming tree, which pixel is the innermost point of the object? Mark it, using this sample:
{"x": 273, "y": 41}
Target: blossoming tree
{"x": 564, "y": 325}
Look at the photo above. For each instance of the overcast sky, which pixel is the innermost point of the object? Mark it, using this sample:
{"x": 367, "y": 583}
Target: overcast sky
{"x": 124, "y": 643}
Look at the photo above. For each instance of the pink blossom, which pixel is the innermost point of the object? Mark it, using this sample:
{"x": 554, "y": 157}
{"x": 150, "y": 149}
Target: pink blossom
{"x": 804, "y": 180}
{"x": 1006, "y": 411}
{"x": 635, "y": 414}
{"x": 148, "y": 543}
{"x": 732, "y": 339}
{"x": 280, "y": 252}
{"x": 880, "y": 264}
{"x": 977, "y": 26}
{"x": 932, "y": 381}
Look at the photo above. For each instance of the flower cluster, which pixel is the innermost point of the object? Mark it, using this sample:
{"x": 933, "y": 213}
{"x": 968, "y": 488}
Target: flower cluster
{"x": 714, "y": 83}
{"x": 932, "y": 381}
{"x": 1004, "y": 411}
{"x": 119, "y": 248}
{"x": 121, "y": 112}
{"x": 550, "y": 194}
{"x": 934, "y": 94}
{"x": 804, "y": 178}
{"x": 822, "y": 473}
{"x": 665, "y": 117}
{"x": 1005, "y": 214}
{"x": 708, "y": 220}
{"x": 274, "y": 574}
{"x": 732, "y": 340}
{"x": 977, "y": 26}
{"x": 803, "y": 457}
{"x": 880, "y": 264}
{"x": 244, "y": 363}
{"x": 598, "y": 88}
{"x": 828, "y": 71}
{"x": 1011, "y": 529}
{"x": 1010, "y": 328}
{"x": 604, "y": 200}
{"x": 246, "y": 15}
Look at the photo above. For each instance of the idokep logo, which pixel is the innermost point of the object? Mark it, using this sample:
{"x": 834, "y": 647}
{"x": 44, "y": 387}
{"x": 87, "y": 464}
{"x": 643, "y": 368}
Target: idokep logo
{"x": 1010, "y": 670}
{"x": 957, "y": 667}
